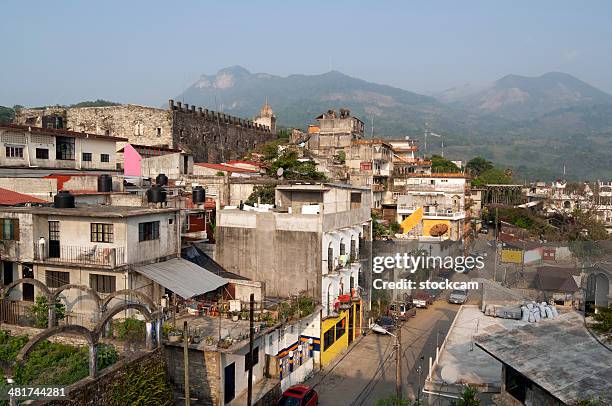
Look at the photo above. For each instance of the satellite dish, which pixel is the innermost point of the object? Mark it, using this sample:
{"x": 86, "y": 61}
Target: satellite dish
{"x": 449, "y": 374}
{"x": 279, "y": 172}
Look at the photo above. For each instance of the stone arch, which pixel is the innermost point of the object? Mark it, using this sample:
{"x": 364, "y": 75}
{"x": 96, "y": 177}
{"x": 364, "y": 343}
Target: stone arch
{"x": 33, "y": 281}
{"x": 90, "y": 336}
{"x": 109, "y": 314}
{"x": 143, "y": 297}
{"x": 83, "y": 288}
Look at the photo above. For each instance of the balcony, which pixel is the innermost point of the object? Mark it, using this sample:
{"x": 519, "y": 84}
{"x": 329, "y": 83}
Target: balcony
{"x": 95, "y": 255}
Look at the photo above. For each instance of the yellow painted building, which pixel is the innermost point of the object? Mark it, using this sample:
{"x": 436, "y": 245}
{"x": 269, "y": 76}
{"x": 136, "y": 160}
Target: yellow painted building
{"x": 337, "y": 333}
{"x": 512, "y": 255}
{"x": 428, "y": 224}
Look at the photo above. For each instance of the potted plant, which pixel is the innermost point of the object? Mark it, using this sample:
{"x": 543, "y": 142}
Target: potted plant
{"x": 175, "y": 335}
{"x": 235, "y": 315}
{"x": 244, "y": 315}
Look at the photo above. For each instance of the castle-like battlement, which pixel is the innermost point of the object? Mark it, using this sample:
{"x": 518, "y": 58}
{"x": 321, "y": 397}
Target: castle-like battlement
{"x": 215, "y": 116}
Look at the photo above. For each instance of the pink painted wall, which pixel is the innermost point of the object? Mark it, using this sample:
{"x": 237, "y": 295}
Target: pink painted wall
{"x": 131, "y": 161}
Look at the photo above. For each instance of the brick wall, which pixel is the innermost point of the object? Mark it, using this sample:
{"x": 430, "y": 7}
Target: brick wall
{"x": 204, "y": 376}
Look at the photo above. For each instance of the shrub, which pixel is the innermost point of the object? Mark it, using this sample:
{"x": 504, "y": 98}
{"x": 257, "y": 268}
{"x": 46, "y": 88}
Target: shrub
{"x": 40, "y": 311}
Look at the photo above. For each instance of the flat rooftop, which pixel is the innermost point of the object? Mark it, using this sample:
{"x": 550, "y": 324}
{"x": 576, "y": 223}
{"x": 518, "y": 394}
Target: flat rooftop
{"x": 461, "y": 361}
{"x": 90, "y": 211}
{"x": 559, "y": 355}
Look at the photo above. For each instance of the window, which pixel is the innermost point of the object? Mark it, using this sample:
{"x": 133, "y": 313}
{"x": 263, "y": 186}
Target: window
{"x": 14, "y": 152}
{"x": 159, "y": 131}
{"x": 148, "y": 231}
{"x": 64, "y": 148}
{"x": 247, "y": 359}
{"x": 104, "y": 158}
{"x": 55, "y": 279}
{"x": 101, "y": 232}
{"x": 9, "y": 229}
{"x": 87, "y": 156}
{"x": 42, "y": 153}
{"x": 328, "y": 339}
{"x": 102, "y": 283}
{"x": 340, "y": 328}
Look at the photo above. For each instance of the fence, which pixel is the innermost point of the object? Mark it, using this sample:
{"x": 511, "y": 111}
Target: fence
{"x": 93, "y": 255}
{"x": 13, "y": 312}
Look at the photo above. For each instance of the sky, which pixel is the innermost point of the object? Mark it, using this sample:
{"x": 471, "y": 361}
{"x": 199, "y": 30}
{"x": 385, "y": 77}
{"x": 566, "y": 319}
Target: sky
{"x": 145, "y": 52}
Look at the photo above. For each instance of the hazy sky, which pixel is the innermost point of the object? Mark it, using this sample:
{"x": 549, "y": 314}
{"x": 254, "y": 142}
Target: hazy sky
{"x": 147, "y": 51}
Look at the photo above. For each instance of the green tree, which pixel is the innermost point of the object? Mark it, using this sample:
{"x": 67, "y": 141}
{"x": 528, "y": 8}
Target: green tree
{"x": 265, "y": 193}
{"x": 441, "y": 164}
{"x": 468, "y": 398}
{"x": 478, "y": 165}
{"x": 492, "y": 176}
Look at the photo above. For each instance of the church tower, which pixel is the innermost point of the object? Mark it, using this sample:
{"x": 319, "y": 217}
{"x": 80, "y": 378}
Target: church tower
{"x": 266, "y": 117}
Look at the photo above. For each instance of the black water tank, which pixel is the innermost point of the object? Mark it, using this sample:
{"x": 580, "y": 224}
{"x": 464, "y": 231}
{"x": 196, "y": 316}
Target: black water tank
{"x": 161, "y": 180}
{"x": 156, "y": 194}
{"x": 63, "y": 200}
{"x": 105, "y": 183}
{"x": 198, "y": 195}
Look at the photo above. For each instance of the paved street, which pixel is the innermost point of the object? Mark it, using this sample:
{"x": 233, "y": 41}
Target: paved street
{"x": 366, "y": 372}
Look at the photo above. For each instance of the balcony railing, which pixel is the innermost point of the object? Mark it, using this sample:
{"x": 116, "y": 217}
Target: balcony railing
{"x": 93, "y": 255}
{"x": 439, "y": 213}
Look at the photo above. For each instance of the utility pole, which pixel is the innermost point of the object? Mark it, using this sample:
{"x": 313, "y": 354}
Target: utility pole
{"x": 250, "y": 358}
{"x": 186, "y": 362}
{"x": 398, "y": 354}
{"x": 495, "y": 241}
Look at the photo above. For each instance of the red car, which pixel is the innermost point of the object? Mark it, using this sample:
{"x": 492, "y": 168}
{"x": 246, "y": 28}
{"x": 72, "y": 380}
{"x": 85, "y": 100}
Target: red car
{"x": 299, "y": 395}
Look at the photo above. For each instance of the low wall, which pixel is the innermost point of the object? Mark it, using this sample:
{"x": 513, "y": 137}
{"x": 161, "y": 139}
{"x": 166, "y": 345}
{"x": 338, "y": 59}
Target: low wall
{"x": 140, "y": 379}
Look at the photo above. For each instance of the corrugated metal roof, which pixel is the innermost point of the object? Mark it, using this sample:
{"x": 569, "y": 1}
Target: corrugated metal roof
{"x": 184, "y": 278}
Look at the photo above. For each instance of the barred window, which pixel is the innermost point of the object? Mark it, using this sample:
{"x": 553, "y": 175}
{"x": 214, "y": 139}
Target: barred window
{"x": 55, "y": 279}
{"x": 101, "y": 232}
{"x": 42, "y": 153}
{"x": 104, "y": 158}
{"x": 87, "y": 156}
{"x": 64, "y": 148}
{"x": 102, "y": 283}
{"x": 14, "y": 152}
{"x": 148, "y": 231}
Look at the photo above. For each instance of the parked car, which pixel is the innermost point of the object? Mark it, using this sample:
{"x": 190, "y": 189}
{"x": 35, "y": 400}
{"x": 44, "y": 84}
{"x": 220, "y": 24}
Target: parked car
{"x": 385, "y": 323}
{"x": 299, "y": 395}
{"x": 422, "y": 299}
{"x": 458, "y": 296}
{"x": 401, "y": 310}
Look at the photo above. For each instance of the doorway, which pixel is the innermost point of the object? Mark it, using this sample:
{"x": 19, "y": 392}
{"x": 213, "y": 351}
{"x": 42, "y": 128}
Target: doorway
{"x": 229, "y": 388}
{"x": 7, "y": 272}
{"x": 54, "y": 239}
{"x": 28, "y": 288}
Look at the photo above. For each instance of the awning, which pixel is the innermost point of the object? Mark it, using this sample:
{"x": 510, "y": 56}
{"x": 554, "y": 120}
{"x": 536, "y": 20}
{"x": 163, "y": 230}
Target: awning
{"x": 184, "y": 278}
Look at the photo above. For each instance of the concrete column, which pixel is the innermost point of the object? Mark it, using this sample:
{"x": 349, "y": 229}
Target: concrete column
{"x": 158, "y": 332}
{"x": 179, "y": 105}
{"x": 51, "y": 312}
{"x": 93, "y": 360}
{"x": 171, "y": 104}
{"x": 149, "y": 338}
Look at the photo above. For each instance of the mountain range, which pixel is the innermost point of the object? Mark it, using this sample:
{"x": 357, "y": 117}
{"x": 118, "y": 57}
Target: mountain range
{"x": 537, "y": 126}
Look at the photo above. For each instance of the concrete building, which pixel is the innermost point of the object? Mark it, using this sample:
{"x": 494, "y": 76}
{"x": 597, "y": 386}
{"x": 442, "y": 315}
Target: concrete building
{"x": 24, "y": 146}
{"x": 143, "y": 160}
{"x": 105, "y": 248}
{"x": 441, "y": 197}
{"x": 370, "y": 164}
{"x": 335, "y": 133}
{"x": 208, "y": 135}
{"x": 555, "y": 362}
{"x": 309, "y": 243}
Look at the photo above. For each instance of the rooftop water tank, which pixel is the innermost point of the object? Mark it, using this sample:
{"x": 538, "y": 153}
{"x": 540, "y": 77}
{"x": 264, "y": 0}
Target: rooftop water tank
{"x": 63, "y": 200}
{"x": 198, "y": 195}
{"x": 105, "y": 183}
{"x": 156, "y": 194}
{"x": 161, "y": 180}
